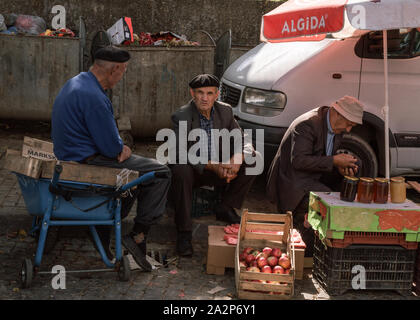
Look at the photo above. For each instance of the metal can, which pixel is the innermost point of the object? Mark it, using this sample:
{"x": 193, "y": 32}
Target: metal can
{"x": 349, "y": 188}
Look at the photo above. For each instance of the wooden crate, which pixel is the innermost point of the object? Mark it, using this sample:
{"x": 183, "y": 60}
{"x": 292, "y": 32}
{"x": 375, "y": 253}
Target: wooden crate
{"x": 246, "y": 286}
{"x": 14, "y": 161}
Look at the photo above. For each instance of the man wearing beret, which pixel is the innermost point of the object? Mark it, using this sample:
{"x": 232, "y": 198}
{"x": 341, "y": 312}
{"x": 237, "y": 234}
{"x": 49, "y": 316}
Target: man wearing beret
{"x": 307, "y": 161}
{"x": 205, "y": 113}
{"x": 84, "y": 130}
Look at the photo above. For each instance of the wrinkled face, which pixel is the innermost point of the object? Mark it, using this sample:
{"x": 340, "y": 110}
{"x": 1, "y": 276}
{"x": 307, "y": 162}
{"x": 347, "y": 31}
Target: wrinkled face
{"x": 342, "y": 125}
{"x": 204, "y": 98}
{"x": 116, "y": 73}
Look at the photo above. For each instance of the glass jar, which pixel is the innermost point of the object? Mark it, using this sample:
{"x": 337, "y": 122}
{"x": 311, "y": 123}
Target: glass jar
{"x": 349, "y": 188}
{"x": 380, "y": 190}
{"x": 365, "y": 190}
{"x": 398, "y": 190}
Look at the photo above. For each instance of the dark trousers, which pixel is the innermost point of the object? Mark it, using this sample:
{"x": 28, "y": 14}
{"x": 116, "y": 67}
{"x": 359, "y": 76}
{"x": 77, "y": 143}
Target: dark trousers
{"x": 185, "y": 178}
{"x": 151, "y": 195}
{"x": 328, "y": 183}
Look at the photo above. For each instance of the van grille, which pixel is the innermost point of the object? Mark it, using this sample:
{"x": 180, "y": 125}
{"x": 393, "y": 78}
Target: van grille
{"x": 230, "y": 95}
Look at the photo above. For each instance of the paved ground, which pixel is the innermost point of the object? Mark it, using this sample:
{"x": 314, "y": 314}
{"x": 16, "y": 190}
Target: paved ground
{"x": 182, "y": 279}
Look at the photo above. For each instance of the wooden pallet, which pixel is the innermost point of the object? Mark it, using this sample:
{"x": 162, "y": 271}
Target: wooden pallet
{"x": 248, "y": 284}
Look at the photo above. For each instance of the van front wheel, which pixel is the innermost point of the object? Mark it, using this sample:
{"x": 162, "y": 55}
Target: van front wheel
{"x": 359, "y": 148}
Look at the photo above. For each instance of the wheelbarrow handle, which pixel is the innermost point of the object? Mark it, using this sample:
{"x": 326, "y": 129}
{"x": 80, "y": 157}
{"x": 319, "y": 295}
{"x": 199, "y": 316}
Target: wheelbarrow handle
{"x": 57, "y": 171}
{"x": 146, "y": 177}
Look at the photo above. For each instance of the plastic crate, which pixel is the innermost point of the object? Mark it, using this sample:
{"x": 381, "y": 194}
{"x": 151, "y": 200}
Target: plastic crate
{"x": 333, "y": 217}
{"x": 381, "y": 238}
{"x": 205, "y": 200}
{"x": 387, "y": 267}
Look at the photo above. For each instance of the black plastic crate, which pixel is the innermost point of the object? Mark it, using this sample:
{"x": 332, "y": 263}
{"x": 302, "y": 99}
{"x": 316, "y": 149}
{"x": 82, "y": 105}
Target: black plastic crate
{"x": 205, "y": 200}
{"x": 387, "y": 267}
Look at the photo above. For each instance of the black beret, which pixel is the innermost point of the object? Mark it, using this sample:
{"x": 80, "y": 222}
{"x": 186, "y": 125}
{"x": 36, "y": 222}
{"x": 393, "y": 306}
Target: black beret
{"x": 204, "y": 80}
{"x": 111, "y": 53}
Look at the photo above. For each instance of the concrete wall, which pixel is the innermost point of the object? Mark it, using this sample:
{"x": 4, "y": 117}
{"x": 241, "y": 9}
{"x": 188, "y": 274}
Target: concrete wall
{"x": 180, "y": 16}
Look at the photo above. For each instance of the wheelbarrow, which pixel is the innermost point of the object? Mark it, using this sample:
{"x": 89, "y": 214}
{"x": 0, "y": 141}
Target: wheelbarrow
{"x": 66, "y": 203}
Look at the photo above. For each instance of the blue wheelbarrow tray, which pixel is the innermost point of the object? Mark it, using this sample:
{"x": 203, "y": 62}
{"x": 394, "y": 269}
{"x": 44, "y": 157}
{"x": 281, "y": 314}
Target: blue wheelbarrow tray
{"x": 51, "y": 209}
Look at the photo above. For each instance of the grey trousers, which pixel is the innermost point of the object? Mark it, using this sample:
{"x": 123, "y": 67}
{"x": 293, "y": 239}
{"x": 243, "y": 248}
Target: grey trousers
{"x": 151, "y": 196}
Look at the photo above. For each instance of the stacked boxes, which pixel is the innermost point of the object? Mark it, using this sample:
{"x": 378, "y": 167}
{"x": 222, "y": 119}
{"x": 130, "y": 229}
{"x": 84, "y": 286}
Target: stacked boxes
{"x": 363, "y": 246}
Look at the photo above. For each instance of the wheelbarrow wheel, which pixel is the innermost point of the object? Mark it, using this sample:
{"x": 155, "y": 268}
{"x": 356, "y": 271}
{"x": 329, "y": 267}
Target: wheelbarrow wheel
{"x": 26, "y": 273}
{"x": 124, "y": 269}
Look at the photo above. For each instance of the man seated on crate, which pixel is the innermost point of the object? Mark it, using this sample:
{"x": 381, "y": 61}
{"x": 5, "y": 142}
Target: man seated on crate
{"x": 84, "y": 130}
{"x": 202, "y": 115}
{"x": 307, "y": 161}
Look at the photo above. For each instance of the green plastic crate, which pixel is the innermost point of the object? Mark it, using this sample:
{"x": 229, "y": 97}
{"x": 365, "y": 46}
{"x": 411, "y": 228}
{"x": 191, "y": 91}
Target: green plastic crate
{"x": 332, "y": 217}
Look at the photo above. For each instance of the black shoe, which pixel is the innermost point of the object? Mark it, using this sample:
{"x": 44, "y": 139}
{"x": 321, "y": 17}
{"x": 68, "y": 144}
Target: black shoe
{"x": 137, "y": 250}
{"x": 227, "y": 214}
{"x": 104, "y": 234}
{"x": 183, "y": 244}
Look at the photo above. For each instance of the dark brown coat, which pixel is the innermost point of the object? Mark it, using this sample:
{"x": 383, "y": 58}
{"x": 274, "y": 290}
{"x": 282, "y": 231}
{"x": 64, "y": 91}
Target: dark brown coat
{"x": 301, "y": 160}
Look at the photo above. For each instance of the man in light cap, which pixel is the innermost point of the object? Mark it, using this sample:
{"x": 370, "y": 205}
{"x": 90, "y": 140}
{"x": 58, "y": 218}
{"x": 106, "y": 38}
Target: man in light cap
{"x": 307, "y": 161}
{"x": 205, "y": 113}
{"x": 84, "y": 130}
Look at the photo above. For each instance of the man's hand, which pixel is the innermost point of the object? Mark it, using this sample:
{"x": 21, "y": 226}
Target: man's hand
{"x": 125, "y": 154}
{"x": 348, "y": 171}
{"x": 345, "y": 161}
{"x": 233, "y": 167}
{"x": 223, "y": 171}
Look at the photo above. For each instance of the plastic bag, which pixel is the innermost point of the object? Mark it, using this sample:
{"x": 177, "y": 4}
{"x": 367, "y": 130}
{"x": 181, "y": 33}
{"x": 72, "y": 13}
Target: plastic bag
{"x": 30, "y": 24}
{"x": 2, "y": 24}
{"x": 10, "y": 19}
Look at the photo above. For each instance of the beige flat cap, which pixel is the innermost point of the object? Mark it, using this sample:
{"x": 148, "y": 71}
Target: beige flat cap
{"x": 350, "y": 108}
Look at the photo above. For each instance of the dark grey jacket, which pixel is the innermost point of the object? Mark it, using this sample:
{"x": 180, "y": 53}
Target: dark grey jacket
{"x": 301, "y": 160}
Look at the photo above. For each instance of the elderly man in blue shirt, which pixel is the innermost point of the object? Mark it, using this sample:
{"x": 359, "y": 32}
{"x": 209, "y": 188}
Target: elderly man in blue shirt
{"x": 84, "y": 130}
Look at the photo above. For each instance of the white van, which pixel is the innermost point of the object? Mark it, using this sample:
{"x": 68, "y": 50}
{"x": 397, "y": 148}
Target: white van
{"x": 273, "y": 84}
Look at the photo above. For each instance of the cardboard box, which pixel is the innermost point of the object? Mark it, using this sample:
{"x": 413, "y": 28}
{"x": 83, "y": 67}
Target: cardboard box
{"x": 220, "y": 255}
{"x": 308, "y": 263}
{"x": 299, "y": 263}
{"x": 121, "y": 31}
{"x": 15, "y": 162}
{"x": 38, "y": 149}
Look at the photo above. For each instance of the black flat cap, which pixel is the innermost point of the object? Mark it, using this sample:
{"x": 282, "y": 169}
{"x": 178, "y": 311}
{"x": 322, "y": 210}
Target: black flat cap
{"x": 111, "y": 53}
{"x": 204, "y": 80}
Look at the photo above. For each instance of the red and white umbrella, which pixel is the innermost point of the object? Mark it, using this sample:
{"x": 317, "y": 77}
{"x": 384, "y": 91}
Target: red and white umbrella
{"x": 311, "y": 20}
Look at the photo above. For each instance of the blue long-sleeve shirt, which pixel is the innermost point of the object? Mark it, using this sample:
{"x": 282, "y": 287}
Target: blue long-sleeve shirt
{"x": 83, "y": 121}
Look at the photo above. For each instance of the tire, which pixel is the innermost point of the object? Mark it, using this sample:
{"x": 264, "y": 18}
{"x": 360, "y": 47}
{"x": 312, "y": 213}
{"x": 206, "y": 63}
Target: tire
{"x": 26, "y": 273}
{"x": 356, "y": 146}
{"x": 124, "y": 269}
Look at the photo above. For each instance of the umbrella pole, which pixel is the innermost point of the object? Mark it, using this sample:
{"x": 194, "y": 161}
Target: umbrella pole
{"x": 386, "y": 106}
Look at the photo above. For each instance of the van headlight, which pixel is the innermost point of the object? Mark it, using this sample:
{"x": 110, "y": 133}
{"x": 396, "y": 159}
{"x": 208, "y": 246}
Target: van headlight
{"x": 264, "y": 98}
